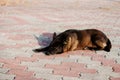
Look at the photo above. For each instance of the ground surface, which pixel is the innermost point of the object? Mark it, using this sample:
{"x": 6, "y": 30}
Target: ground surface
{"x": 19, "y": 25}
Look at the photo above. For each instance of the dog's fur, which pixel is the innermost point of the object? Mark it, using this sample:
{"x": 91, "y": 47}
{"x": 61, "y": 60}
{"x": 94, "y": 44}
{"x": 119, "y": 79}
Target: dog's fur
{"x": 72, "y": 39}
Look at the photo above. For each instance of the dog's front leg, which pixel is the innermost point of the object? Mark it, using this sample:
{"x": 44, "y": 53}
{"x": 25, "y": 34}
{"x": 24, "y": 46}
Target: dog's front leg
{"x": 67, "y": 45}
{"x": 74, "y": 46}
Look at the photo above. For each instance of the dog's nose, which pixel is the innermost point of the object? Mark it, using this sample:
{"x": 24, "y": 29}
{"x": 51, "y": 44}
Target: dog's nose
{"x": 106, "y": 49}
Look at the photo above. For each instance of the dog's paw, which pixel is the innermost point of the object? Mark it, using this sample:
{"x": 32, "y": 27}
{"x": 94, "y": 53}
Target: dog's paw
{"x": 35, "y": 50}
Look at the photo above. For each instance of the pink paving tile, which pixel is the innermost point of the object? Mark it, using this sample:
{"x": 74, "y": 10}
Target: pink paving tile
{"x": 15, "y": 67}
{"x": 21, "y": 73}
{"x": 112, "y": 78}
{"x": 57, "y": 67}
{"x": 104, "y": 61}
{"x": 116, "y": 68}
{"x": 26, "y": 59}
{"x": 67, "y": 73}
{"x": 26, "y": 78}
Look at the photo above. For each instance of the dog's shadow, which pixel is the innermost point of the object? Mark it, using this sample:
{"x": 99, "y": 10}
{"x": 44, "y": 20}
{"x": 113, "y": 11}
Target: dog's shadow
{"x": 44, "y": 39}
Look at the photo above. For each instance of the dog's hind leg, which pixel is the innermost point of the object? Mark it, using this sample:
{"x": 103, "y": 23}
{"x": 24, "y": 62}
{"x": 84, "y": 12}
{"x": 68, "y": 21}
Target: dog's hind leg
{"x": 74, "y": 46}
{"x": 71, "y": 43}
{"x": 67, "y": 44}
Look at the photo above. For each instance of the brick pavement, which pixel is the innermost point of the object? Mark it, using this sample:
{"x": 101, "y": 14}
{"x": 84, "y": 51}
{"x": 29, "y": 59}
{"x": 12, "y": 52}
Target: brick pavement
{"x": 20, "y": 24}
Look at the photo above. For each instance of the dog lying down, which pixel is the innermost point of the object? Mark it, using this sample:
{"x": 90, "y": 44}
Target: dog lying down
{"x": 72, "y": 39}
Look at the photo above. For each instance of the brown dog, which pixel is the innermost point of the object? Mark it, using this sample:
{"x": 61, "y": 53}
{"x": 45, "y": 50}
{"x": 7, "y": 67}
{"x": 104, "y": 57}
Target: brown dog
{"x": 72, "y": 39}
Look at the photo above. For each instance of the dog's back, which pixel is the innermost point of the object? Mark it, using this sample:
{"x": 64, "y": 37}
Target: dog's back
{"x": 89, "y": 38}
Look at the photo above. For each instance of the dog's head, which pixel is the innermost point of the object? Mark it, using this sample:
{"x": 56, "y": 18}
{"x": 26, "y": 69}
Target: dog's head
{"x": 109, "y": 46}
{"x": 56, "y": 46}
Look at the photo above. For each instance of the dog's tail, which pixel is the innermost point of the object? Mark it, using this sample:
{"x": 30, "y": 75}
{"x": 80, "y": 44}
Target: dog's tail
{"x": 40, "y": 49}
{"x": 108, "y": 47}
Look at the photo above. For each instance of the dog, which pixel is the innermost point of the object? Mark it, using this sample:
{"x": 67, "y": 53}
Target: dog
{"x": 72, "y": 39}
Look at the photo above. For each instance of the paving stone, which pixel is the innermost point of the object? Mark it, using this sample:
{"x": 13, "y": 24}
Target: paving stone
{"x": 26, "y": 59}
{"x": 4, "y": 55}
{"x": 27, "y": 78}
{"x": 65, "y": 59}
{"x": 46, "y": 61}
{"x": 15, "y": 67}
{"x": 94, "y": 77}
{"x": 112, "y": 55}
{"x": 3, "y": 70}
{"x": 87, "y": 60}
{"x": 118, "y": 60}
{"x": 8, "y": 61}
{"x": 40, "y": 70}
{"x": 112, "y": 78}
{"x": 33, "y": 64}
{"x": 57, "y": 67}
{"x": 67, "y": 73}
{"x": 1, "y": 65}
{"x": 21, "y": 73}
{"x": 116, "y": 68}
{"x": 104, "y": 70}
{"x": 73, "y": 64}
{"x": 100, "y": 68}
{"x": 104, "y": 61}
{"x": 72, "y": 78}
{"x": 13, "y": 53}
{"x": 84, "y": 70}
{"x": 6, "y": 77}
{"x": 48, "y": 76}
{"x": 81, "y": 59}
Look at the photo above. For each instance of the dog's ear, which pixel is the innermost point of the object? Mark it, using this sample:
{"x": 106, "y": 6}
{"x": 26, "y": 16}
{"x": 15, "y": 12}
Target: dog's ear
{"x": 54, "y": 35}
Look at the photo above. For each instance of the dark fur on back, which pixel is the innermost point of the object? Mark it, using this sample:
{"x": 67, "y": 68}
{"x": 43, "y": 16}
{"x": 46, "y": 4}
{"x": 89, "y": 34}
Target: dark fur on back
{"x": 73, "y": 39}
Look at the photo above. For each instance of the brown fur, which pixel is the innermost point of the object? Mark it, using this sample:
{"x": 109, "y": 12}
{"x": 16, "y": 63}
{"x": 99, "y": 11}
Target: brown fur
{"x": 72, "y": 39}
{"x": 75, "y": 43}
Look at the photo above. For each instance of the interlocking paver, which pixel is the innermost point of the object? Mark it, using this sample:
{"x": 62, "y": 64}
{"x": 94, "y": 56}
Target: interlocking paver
{"x": 118, "y": 60}
{"x": 73, "y": 78}
{"x": 1, "y": 65}
{"x": 40, "y": 70}
{"x": 57, "y": 67}
{"x": 48, "y": 76}
{"x": 67, "y": 73}
{"x": 104, "y": 70}
{"x": 32, "y": 64}
{"x": 114, "y": 78}
{"x": 65, "y": 59}
{"x": 21, "y": 21}
{"x": 21, "y": 73}
{"x": 27, "y": 78}
{"x": 94, "y": 76}
{"x": 116, "y": 68}
{"x": 3, "y": 70}
{"x": 6, "y": 77}
{"x": 46, "y": 61}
